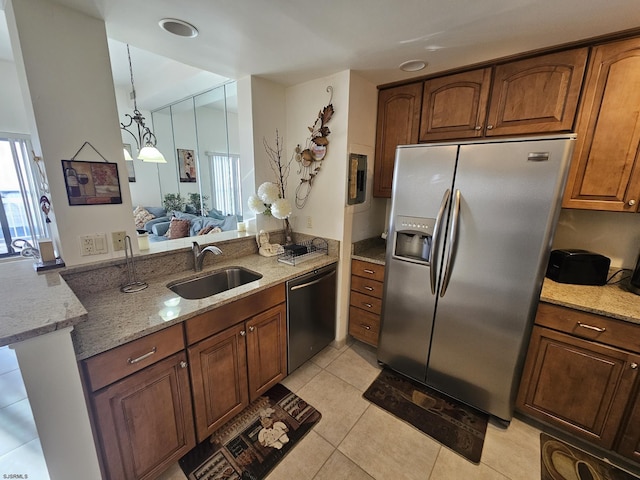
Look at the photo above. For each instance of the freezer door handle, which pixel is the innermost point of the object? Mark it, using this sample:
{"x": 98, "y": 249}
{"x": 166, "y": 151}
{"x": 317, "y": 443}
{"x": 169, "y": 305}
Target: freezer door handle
{"x": 453, "y": 242}
{"x": 433, "y": 254}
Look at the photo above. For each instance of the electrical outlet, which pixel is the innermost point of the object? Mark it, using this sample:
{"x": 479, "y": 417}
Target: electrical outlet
{"x": 309, "y": 222}
{"x": 87, "y": 245}
{"x": 118, "y": 240}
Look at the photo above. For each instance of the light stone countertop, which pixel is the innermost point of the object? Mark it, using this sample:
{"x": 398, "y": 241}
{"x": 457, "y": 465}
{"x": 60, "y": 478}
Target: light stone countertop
{"x": 34, "y": 303}
{"x": 115, "y": 318}
{"x": 610, "y": 300}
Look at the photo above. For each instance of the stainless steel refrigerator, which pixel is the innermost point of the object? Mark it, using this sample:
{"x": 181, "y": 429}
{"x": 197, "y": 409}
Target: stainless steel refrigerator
{"x": 470, "y": 230}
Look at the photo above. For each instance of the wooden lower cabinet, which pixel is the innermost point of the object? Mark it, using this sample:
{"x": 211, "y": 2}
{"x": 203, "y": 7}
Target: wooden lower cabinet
{"x": 234, "y": 367}
{"x": 366, "y": 301}
{"x": 574, "y": 381}
{"x": 218, "y": 379}
{"x": 145, "y": 420}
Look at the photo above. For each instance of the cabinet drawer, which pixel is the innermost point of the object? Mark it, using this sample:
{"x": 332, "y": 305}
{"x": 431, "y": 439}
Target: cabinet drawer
{"x": 366, "y": 286}
{"x": 215, "y": 321}
{"x": 117, "y": 363}
{"x": 367, "y": 270}
{"x": 609, "y": 331}
{"x": 364, "y": 326}
{"x": 367, "y": 303}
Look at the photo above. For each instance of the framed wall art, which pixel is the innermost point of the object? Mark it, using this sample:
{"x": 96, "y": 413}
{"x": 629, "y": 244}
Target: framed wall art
{"x": 91, "y": 183}
{"x": 187, "y": 164}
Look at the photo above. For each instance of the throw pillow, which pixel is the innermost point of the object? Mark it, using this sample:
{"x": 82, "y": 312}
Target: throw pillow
{"x": 142, "y": 216}
{"x": 205, "y": 230}
{"x": 178, "y": 228}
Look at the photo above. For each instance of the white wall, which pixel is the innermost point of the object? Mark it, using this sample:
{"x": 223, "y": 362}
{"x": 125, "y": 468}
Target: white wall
{"x": 63, "y": 65}
{"x": 326, "y": 202}
{"x": 613, "y": 234}
{"x": 13, "y": 118}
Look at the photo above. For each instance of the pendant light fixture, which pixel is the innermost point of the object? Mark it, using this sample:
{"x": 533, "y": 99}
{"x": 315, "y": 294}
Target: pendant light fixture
{"x": 145, "y": 139}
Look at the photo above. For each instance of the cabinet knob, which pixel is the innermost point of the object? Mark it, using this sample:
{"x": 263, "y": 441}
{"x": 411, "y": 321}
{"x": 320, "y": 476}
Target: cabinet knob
{"x": 252, "y": 328}
{"x": 634, "y": 365}
{"x": 489, "y": 127}
{"x": 183, "y": 364}
{"x": 478, "y": 127}
{"x": 242, "y": 333}
{"x": 631, "y": 202}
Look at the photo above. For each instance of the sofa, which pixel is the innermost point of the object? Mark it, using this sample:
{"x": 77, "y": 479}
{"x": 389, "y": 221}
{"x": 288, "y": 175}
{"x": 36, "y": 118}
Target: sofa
{"x": 158, "y": 223}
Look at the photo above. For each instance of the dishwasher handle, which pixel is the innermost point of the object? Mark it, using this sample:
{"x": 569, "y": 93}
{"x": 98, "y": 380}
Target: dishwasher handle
{"x": 313, "y": 282}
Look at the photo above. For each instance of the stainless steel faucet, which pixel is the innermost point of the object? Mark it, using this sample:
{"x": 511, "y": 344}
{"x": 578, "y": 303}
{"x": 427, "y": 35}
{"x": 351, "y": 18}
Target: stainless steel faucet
{"x": 198, "y": 254}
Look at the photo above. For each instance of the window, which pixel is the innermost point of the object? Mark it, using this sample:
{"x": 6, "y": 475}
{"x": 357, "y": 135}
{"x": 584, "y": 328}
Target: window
{"x": 19, "y": 196}
{"x": 225, "y": 171}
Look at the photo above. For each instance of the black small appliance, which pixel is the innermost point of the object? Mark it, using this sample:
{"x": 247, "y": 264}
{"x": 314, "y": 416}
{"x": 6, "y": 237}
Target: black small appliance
{"x": 579, "y": 267}
{"x": 634, "y": 283}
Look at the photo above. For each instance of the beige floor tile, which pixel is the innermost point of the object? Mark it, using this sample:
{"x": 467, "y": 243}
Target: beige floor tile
{"x": 514, "y": 452}
{"x": 11, "y": 388}
{"x": 304, "y": 460}
{"x": 326, "y": 356}
{"x": 450, "y": 465}
{"x": 354, "y": 367}
{"x": 17, "y": 426}
{"x": 387, "y": 448}
{"x": 340, "y": 404}
{"x": 338, "y": 466}
{"x": 301, "y": 376}
{"x": 174, "y": 472}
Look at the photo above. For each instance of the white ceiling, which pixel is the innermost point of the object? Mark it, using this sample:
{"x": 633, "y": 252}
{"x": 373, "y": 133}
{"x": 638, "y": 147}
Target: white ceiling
{"x": 292, "y": 41}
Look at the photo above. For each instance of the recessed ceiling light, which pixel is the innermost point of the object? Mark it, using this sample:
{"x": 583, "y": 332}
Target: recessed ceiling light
{"x": 178, "y": 27}
{"x": 413, "y": 65}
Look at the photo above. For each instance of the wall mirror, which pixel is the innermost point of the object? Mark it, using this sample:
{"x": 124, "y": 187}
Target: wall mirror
{"x": 199, "y": 138}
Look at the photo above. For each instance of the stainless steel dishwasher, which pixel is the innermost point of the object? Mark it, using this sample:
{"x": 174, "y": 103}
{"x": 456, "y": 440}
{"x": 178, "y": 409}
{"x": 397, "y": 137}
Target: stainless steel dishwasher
{"x": 311, "y": 314}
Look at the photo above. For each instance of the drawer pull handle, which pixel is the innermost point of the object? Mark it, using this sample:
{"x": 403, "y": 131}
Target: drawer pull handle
{"x": 368, "y": 305}
{"x": 370, "y": 272}
{"x": 591, "y": 327}
{"x": 370, "y": 289}
{"x": 131, "y": 361}
{"x": 634, "y": 365}
{"x": 365, "y": 326}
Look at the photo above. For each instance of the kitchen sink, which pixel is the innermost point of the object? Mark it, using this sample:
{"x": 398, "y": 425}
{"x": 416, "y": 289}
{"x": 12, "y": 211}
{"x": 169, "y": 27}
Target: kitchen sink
{"x": 214, "y": 282}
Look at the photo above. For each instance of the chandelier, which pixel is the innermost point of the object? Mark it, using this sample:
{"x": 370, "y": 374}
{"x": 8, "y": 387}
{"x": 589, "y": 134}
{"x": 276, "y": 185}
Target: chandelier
{"x": 145, "y": 139}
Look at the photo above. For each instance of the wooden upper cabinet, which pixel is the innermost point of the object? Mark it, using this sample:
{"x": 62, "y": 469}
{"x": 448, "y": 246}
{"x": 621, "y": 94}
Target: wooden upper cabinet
{"x": 398, "y": 124}
{"x": 605, "y": 170}
{"x": 455, "y": 106}
{"x": 536, "y": 95}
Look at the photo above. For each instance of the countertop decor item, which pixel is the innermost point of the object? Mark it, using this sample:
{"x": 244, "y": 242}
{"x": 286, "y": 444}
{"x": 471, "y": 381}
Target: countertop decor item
{"x": 310, "y": 159}
{"x": 270, "y": 198}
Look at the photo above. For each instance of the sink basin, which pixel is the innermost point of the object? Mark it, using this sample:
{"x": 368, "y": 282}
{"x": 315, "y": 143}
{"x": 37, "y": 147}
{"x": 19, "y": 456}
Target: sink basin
{"x": 215, "y": 282}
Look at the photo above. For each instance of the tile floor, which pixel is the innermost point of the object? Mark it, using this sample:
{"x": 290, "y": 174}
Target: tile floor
{"x": 356, "y": 440}
{"x": 20, "y": 450}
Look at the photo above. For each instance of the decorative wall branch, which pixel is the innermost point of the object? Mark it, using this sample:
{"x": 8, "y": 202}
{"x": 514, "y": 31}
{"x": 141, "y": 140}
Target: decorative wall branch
{"x": 310, "y": 159}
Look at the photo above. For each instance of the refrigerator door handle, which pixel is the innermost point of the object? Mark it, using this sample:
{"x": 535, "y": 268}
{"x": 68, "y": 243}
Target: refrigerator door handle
{"x": 433, "y": 254}
{"x": 453, "y": 242}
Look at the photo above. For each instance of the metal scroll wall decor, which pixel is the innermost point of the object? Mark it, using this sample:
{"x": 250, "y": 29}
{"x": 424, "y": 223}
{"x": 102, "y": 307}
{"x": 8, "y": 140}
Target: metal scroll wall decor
{"x": 310, "y": 159}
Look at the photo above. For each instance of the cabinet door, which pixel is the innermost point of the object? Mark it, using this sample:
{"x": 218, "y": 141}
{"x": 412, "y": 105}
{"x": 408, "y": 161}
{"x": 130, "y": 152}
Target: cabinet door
{"x": 605, "y": 169}
{"x": 219, "y": 379}
{"x": 455, "y": 106}
{"x": 398, "y": 124}
{"x": 576, "y": 384}
{"x": 145, "y": 421}
{"x": 266, "y": 350}
{"x": 630, "y": 440}
{"x": 536, "y": 95}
